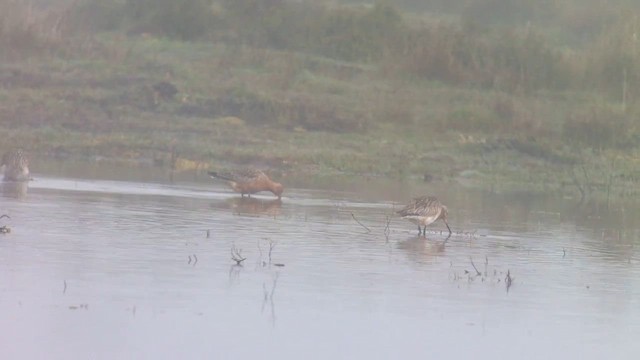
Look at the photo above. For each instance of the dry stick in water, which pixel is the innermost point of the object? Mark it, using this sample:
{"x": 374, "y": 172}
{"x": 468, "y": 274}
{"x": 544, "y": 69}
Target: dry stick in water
{"x": 361, "y": 224}
{"x": 387, "y": 231}
{"x": 272, "y": 245}
{"x": 508, "y": 280}
{"x": 478, "y": 273}
{"x": 486, "y": 264}
{"x": 236, "y": 255}
{"x": 260, "y": 261}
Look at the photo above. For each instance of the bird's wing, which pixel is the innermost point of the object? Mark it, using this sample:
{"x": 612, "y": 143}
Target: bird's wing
{"x": 422, "y": 206}
{"x": 239, "y": 176}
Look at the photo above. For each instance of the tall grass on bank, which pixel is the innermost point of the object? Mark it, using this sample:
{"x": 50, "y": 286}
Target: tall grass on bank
{"x": 358, "y": 88}
{"x": 25, "y": 31}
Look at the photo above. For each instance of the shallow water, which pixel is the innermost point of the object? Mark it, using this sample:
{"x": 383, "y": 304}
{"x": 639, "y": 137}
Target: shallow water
{"x": 124, "y": 269}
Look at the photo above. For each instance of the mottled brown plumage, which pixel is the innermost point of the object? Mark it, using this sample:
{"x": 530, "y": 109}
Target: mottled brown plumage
{"x": 16, "y": 166}
{"x": 249, "y": 181}
{"x": 423, "y": 211}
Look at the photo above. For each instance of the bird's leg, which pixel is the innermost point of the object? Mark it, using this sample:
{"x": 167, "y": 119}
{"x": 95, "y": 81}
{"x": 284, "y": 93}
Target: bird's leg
{"x": 424, "y": 231}
{"x": 419, "y": 230}
{"x": 446, "y": 223}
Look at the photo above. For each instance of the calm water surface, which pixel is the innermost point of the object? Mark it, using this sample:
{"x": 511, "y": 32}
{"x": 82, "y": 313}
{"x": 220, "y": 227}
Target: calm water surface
{"x": 123, "y": 269}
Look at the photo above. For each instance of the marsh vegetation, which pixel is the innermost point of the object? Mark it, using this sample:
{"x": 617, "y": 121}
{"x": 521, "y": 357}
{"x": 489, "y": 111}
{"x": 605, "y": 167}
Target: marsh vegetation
{"x": 489, "y": 93}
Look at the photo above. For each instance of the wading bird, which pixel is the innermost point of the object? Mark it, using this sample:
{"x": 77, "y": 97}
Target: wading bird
{"x": 249, "y": 181}
{"x": 16, "y": 166}
{"x": 423, "y": 211}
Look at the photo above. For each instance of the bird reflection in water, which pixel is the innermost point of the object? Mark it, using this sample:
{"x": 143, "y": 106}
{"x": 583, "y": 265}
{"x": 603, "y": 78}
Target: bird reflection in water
{"x": 15, "y": 166}
{"x": 420, "y": 248}
{"x": 14, "y": 189}
{"x": 255, "y": 206}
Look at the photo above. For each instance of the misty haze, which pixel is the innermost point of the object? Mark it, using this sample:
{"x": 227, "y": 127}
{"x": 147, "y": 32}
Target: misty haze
{"x": 297, "y": 179}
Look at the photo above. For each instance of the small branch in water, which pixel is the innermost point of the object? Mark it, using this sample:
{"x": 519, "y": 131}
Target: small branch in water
{"x": 196, "y": 259}
{"x": 486, "y": 264}
{"x": 236, "y": 255}
{"x": 478, "y": 273}
{"x": 260, "y": 261}
{"x": 272, "y": 245}
{"x": 5, "y": 216}
{"x": 361, "y": 224}
{"x": 65, "y": 287}
{"x": 208, "y": 233}
{"x": 564, "y": 253}
{"x": 387, "y": 231}
{"x": 508, "y": 280}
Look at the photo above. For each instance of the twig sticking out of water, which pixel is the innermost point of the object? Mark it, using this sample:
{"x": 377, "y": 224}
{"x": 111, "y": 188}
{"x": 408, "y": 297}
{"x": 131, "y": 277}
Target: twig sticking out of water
{"x": 65, "y": 287}
{"x": 236, "y": 255}
{"x": 359, "y": 223}
{"x": 208, "y": 233}
{"x": 387, "y": 231}
{"x": 260, "y": 261}
{"x": 508, "y": 280}
{"x": 478, "y": 273}
{"x": 5, "y": 216}
{"x": 564, "y": 253}
{"x": 272, "y": 245}
{"x": 486, "y": 264}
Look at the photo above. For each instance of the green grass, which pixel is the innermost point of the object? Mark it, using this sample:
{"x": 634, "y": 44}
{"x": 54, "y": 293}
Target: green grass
{"x": 301, "y": 114}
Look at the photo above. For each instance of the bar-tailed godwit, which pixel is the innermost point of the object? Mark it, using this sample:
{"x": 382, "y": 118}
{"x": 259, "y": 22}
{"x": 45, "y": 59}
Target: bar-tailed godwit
{"x": 425, "y": 210}
{"x": 16, "y": 166}
{"x": 249, "y": 181}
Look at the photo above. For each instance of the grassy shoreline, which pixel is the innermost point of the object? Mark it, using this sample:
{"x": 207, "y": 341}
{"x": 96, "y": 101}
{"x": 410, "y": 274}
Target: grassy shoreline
{"x": 296, "y": 113}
